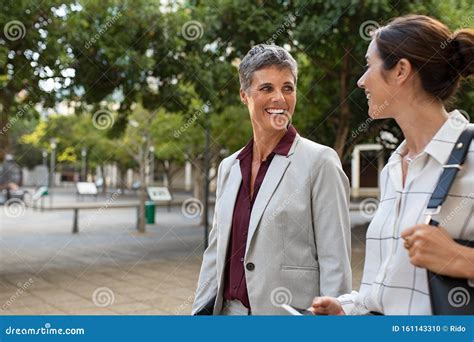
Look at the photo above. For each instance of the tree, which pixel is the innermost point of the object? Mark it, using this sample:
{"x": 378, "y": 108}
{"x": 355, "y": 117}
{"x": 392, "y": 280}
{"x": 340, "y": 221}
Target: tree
{"x": 125, "y": 54}
{"x": 329, "y": 40}
{"x": 334, "y": 37}
{"x": 31, "y": 57}
{"x": 72, "y": 133}
{"x": 137, "y": 141}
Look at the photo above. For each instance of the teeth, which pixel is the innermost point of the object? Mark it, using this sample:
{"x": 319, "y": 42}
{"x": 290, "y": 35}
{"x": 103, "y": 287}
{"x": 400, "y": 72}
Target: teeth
{"x": 275, "y": 111}
{"x": 368, "y": 96}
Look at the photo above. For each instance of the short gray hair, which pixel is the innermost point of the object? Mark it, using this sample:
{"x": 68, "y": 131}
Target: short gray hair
{"x": 264, "y": 56}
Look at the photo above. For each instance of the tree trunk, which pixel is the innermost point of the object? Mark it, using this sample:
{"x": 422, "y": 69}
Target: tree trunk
{"x": 172, "y": 174}
{"x": 168, "y": 175}
{"x": 198, "y": 182}
{"x": 123, "y": 175}
{"x": 5, "y": 106}
{"x": 344, "y": 118}
{"x": 142, "y": 193}
{"x": 104, "y": 183}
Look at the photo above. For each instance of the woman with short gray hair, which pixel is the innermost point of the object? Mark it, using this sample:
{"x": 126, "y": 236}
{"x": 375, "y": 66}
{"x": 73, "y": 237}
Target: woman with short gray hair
{"x": 281, "y": 232}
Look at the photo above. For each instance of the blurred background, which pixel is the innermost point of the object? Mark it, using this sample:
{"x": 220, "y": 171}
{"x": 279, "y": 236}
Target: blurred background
{"x": 114, "y": 116}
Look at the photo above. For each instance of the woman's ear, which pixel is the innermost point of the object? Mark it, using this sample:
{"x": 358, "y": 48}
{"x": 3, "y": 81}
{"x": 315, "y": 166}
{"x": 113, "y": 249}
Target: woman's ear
{"x": 243, "y": 96}
{"x": 403, "y": 71}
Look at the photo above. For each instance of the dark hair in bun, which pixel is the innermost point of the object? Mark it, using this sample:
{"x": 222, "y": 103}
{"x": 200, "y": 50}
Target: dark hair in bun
{"x": 440, "y": 57}
{"x": 463, "y": 47}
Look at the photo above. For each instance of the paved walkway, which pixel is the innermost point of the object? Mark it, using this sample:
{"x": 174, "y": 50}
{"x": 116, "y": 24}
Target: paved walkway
{"x": 108, "y": 268}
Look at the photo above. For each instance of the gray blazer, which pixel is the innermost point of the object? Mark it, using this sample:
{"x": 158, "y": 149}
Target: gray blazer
{"x": 299, "y": 232}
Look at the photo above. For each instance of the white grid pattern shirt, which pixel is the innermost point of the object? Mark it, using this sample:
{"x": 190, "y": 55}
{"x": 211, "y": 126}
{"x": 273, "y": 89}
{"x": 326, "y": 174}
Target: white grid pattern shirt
{"x": 391, "y": 284}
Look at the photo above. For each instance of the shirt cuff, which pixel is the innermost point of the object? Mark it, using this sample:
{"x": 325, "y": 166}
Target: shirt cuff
{"x": 351, "y": 305}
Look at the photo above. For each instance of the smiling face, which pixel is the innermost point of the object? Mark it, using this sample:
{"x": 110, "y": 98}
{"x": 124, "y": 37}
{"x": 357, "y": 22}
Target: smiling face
{"x": 378, "y": 89}
{"x": 271, "y": 98}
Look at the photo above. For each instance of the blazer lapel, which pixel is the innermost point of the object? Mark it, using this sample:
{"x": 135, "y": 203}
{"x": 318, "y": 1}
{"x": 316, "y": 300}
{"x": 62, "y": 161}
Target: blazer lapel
{"x": 228, "y": 199}
{"x": 272, "y": 178}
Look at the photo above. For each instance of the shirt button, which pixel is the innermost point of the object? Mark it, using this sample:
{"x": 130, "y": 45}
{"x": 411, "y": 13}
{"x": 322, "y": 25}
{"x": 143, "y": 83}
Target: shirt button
{"x": 241, "y": 259}
{"x": 250, "y": 266}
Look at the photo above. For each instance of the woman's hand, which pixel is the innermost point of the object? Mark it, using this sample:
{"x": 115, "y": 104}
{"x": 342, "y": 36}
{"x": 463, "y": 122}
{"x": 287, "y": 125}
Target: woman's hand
{"x": 432, "y": 248}
{"x": 326, "y": 306}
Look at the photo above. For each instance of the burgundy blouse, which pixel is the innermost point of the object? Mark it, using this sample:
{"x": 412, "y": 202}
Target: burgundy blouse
{"x": 235, "y": 286}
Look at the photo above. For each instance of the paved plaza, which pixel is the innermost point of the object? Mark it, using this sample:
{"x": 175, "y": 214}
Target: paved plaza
{"x": 108, "y": 268}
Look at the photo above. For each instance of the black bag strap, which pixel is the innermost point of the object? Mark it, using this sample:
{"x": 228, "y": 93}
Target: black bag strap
{"x": 451, "y": 168}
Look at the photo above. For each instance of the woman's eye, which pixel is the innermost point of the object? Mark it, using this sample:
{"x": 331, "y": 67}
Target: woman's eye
{"x": 288, "y": 89}
{"x": 266, "y": 88}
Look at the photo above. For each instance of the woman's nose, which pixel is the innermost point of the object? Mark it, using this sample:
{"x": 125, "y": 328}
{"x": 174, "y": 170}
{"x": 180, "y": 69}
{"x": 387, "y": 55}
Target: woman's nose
{"x": 360, "y": 82}
{"x": 278, "y": 96}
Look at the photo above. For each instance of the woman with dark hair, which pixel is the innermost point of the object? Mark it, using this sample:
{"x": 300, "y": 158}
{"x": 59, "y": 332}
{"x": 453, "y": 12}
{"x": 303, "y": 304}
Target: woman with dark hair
{"x": 414, "y": 66}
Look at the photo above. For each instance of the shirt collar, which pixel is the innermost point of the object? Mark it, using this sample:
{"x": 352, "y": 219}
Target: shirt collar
{"x": 442, "y": 143}
{"x": 282, "y": 148}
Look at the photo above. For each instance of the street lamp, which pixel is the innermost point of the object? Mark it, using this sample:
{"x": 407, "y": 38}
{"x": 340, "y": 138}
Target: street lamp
{"x": 52, "y": 166}
{"x": 45, "y": 157}
{"x": 207, "y": 110}
{"x": 83, "y": 164}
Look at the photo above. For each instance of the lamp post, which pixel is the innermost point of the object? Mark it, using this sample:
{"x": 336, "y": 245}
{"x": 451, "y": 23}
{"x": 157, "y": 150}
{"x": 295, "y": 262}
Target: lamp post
{"x": 207, "y": 110}
{"x": 83, "y": 164}
{"x": 45, "y": 157}
{"x": 52, "y": 166}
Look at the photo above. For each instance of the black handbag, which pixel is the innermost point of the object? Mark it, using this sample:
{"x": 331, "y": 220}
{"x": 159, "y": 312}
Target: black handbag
{"x": 448, "y": 295}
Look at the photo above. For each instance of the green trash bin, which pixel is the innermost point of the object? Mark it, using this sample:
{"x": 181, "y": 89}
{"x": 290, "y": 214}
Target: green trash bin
{"x": 150, "y": 212}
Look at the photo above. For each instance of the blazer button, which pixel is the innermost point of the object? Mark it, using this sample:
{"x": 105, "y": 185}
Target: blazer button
{"x": 250, "y": 266}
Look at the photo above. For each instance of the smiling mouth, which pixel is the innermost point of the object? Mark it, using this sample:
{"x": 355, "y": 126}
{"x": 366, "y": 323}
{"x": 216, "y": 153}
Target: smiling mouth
{"x": 274, "y": 111}
{"x": 368, "y": 96}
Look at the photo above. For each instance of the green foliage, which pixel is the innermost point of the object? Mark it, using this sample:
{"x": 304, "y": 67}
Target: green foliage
{"x": 135, "y": 57}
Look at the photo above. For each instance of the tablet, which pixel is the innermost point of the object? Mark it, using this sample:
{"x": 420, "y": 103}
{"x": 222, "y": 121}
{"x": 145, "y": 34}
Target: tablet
{"x": 297, "y": 311}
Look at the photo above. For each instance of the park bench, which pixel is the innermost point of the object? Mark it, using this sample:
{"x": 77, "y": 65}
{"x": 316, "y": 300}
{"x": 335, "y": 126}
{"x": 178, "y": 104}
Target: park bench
{"x": 96, "y": 205}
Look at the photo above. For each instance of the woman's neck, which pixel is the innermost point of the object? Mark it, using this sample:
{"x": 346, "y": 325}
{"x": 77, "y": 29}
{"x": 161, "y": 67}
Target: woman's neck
{"x": 419, "y": 124}
{"x": 265, "y": 142}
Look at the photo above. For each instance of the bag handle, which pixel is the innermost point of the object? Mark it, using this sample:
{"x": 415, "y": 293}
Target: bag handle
{"x": 451, "y": 168}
